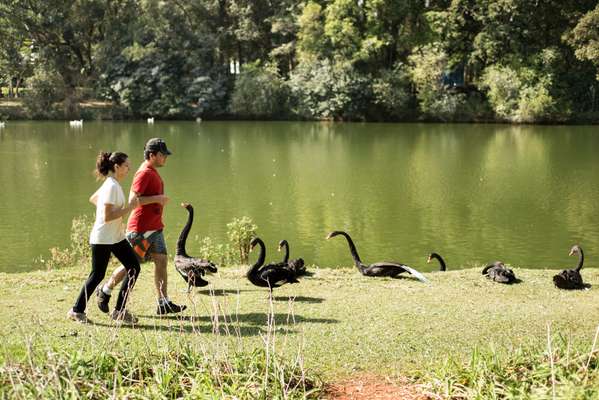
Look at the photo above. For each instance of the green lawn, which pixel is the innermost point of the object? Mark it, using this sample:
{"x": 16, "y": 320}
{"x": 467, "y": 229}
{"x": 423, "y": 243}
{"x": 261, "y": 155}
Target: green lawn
{"x": 336, "y": 324}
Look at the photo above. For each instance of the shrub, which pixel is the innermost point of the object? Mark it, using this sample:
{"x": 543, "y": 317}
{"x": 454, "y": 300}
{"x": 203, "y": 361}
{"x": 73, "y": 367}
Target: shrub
{"x": 45, "y": 89}
{"x": 219, "y": 253}
{"x": 78, "y": 251}
{"x": 328, "y": 90}
{"x": 535, "y": 103}
{"x": 240, "y": 232}
{"x": 428, "y": 64}
{"x": 391, "y": 91}
{"x": 260, "y": 92}
{"x": 503, "y": 89}
{"x": 519, "y": 94}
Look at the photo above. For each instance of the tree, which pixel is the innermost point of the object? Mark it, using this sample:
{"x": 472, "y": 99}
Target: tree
{"x": 16, "y": 59}
{"x": 584, "y": 38}
{"x": 67, "y": 34}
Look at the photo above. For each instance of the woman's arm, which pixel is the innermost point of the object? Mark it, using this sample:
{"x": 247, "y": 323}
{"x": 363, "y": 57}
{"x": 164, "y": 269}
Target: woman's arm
{"x": 111, "y": 212}
{"x": 94, "y": 198}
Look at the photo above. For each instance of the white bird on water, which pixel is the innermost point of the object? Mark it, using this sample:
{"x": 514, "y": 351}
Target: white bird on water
{"x": 76, "y": 123}
{"x": 151, "y": 120}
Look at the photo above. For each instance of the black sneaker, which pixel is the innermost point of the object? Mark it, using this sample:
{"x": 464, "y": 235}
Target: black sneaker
{"x": 169, "y": 307}
{"x": 103, "y": 300}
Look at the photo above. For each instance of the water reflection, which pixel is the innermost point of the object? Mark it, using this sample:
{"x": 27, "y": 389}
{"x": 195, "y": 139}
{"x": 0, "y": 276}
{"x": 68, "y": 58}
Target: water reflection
{"x": 473, "y": 193}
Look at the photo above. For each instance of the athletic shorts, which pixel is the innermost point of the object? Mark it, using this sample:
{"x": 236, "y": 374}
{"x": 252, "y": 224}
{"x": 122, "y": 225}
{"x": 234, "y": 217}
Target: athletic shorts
{"x": 145, "y": 244}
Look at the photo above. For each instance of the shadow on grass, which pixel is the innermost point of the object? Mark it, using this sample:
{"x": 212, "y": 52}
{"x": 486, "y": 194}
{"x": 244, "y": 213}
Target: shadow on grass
{"x": 221, "y": 292}
{"x": 257, "y": 319}
{"x": 300, "y": 299}
{"x": 223, "y": 329}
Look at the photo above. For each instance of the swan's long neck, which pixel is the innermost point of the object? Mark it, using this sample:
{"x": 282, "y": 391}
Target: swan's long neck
{"x": 260, "y": 260}
{"x": 441, "y": 262}
{"x": 353, "y": 251}
{"x": 580, "y": 259}
{"x": 286, "y": 258}
{"x": 183, "y": 236}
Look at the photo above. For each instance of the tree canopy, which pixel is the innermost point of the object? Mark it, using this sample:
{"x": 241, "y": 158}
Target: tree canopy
{"x": 511, "y": 60}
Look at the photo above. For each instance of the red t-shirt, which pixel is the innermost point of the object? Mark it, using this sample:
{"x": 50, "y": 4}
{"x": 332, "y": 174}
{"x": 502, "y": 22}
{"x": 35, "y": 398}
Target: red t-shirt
{"x": 146, "y": 182}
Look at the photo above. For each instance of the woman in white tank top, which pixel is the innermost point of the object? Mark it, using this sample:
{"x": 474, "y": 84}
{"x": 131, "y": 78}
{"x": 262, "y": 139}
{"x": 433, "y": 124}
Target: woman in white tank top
{"x": 108, "y": 237}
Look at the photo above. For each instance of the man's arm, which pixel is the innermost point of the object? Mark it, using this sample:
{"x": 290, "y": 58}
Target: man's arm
{"x": 143, "y": 200}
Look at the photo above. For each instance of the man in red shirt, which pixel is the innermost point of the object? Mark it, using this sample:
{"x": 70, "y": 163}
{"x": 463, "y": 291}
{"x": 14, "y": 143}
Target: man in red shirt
{"x": 144, "y": 229}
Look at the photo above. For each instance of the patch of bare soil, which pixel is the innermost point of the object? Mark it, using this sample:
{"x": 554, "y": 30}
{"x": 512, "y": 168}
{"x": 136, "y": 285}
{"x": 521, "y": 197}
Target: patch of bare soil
{"x": 374, "y": 387}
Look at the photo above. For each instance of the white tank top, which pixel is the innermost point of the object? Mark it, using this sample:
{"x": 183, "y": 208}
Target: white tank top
{"x": 110, "y": 232}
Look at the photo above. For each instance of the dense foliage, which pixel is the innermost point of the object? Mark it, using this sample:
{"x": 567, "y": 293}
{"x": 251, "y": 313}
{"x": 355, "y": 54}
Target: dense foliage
{"x": 510, "y": 60}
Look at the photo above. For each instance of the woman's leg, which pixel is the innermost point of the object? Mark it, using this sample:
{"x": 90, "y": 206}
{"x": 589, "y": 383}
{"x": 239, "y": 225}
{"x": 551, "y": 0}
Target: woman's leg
{"x": 100, "y": 257}
{"x": 124, "y": 253}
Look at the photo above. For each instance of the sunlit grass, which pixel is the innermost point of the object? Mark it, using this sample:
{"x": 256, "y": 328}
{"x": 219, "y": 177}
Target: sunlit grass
{"x": 462, "y": 336}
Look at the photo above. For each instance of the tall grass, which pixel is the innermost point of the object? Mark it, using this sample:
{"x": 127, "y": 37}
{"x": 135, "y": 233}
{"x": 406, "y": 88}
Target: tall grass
{"x": 564, "y": 369}
{"x": 113, "y": 364}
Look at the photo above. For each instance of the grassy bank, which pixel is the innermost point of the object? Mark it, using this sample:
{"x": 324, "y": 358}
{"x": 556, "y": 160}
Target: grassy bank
{"x": 461, "y": 336}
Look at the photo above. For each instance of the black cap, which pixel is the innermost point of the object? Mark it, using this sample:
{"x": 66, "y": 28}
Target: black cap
{"x": 157, "y": 145}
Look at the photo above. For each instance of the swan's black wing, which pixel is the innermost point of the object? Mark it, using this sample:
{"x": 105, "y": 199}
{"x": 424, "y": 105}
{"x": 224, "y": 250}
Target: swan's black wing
{"x": 192, "y": 276}
{"x": 192, "y": 269}
{"x": 568, "y": 279}
{"x": 277, "y": 274}
{"x": 499, "y": 273}
{"x": 297, "y": 266}
{"x": 388, "y": 268}
{"x": 504, "y": 275}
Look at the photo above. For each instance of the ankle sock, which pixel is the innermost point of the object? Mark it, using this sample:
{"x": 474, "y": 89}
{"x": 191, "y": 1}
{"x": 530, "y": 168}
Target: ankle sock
{"x": 106, "y": 290}
{"x": 163, "y": 301}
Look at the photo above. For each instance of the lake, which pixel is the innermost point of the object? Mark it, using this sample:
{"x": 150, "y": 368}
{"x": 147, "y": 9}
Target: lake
{"x": 473, "y": 193}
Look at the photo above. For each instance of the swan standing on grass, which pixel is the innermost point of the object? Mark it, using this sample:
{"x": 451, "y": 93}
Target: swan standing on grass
{"x": 190, "y": 268}
{"x": 270, "y": 275}
{"x": 498, "y": 272}
{"x": 296, "y": 265}
{"x": 386, "y": 268}
{"x": 570, "y": 278}
{"x": 442, "y": 266}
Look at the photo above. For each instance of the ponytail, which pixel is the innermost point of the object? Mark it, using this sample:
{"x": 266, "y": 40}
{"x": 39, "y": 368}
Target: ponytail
{"x": 105, "y": 163}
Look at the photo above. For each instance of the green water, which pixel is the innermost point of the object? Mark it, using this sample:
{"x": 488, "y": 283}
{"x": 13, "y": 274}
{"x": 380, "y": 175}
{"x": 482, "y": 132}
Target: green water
{"x": 473, "y": 193}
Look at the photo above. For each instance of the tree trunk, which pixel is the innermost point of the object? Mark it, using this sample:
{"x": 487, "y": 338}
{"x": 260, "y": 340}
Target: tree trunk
{"x": 71, "y": 102}
{"x": 17, "y": 86}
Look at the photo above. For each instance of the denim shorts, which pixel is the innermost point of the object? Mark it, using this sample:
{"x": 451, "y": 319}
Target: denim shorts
{"x": 144, "y": 246}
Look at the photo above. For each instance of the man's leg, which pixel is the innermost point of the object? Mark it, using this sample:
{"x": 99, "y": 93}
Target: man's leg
{"x": 160, "y": 275}
{"x": 165, "y": 306}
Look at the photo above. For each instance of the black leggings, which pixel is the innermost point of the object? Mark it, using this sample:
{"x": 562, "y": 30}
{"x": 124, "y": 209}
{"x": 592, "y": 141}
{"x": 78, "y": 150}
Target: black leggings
{"x": 100, "y": 257}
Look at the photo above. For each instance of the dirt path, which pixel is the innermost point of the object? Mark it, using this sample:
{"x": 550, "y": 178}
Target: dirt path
{"x": 376, "y": 388}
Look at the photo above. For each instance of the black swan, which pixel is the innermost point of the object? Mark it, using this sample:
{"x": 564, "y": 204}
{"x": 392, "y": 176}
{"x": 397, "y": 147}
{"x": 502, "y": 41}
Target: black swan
{"x": 297, "y": 265}
{"x": 190, "y": 268}
{"x": 442, "y": 266}
{"x": 571, "y": 278}
{"x": 270, "y": 275}
{"x": 498, "y": 272}
{"x": 391, "y": 269}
